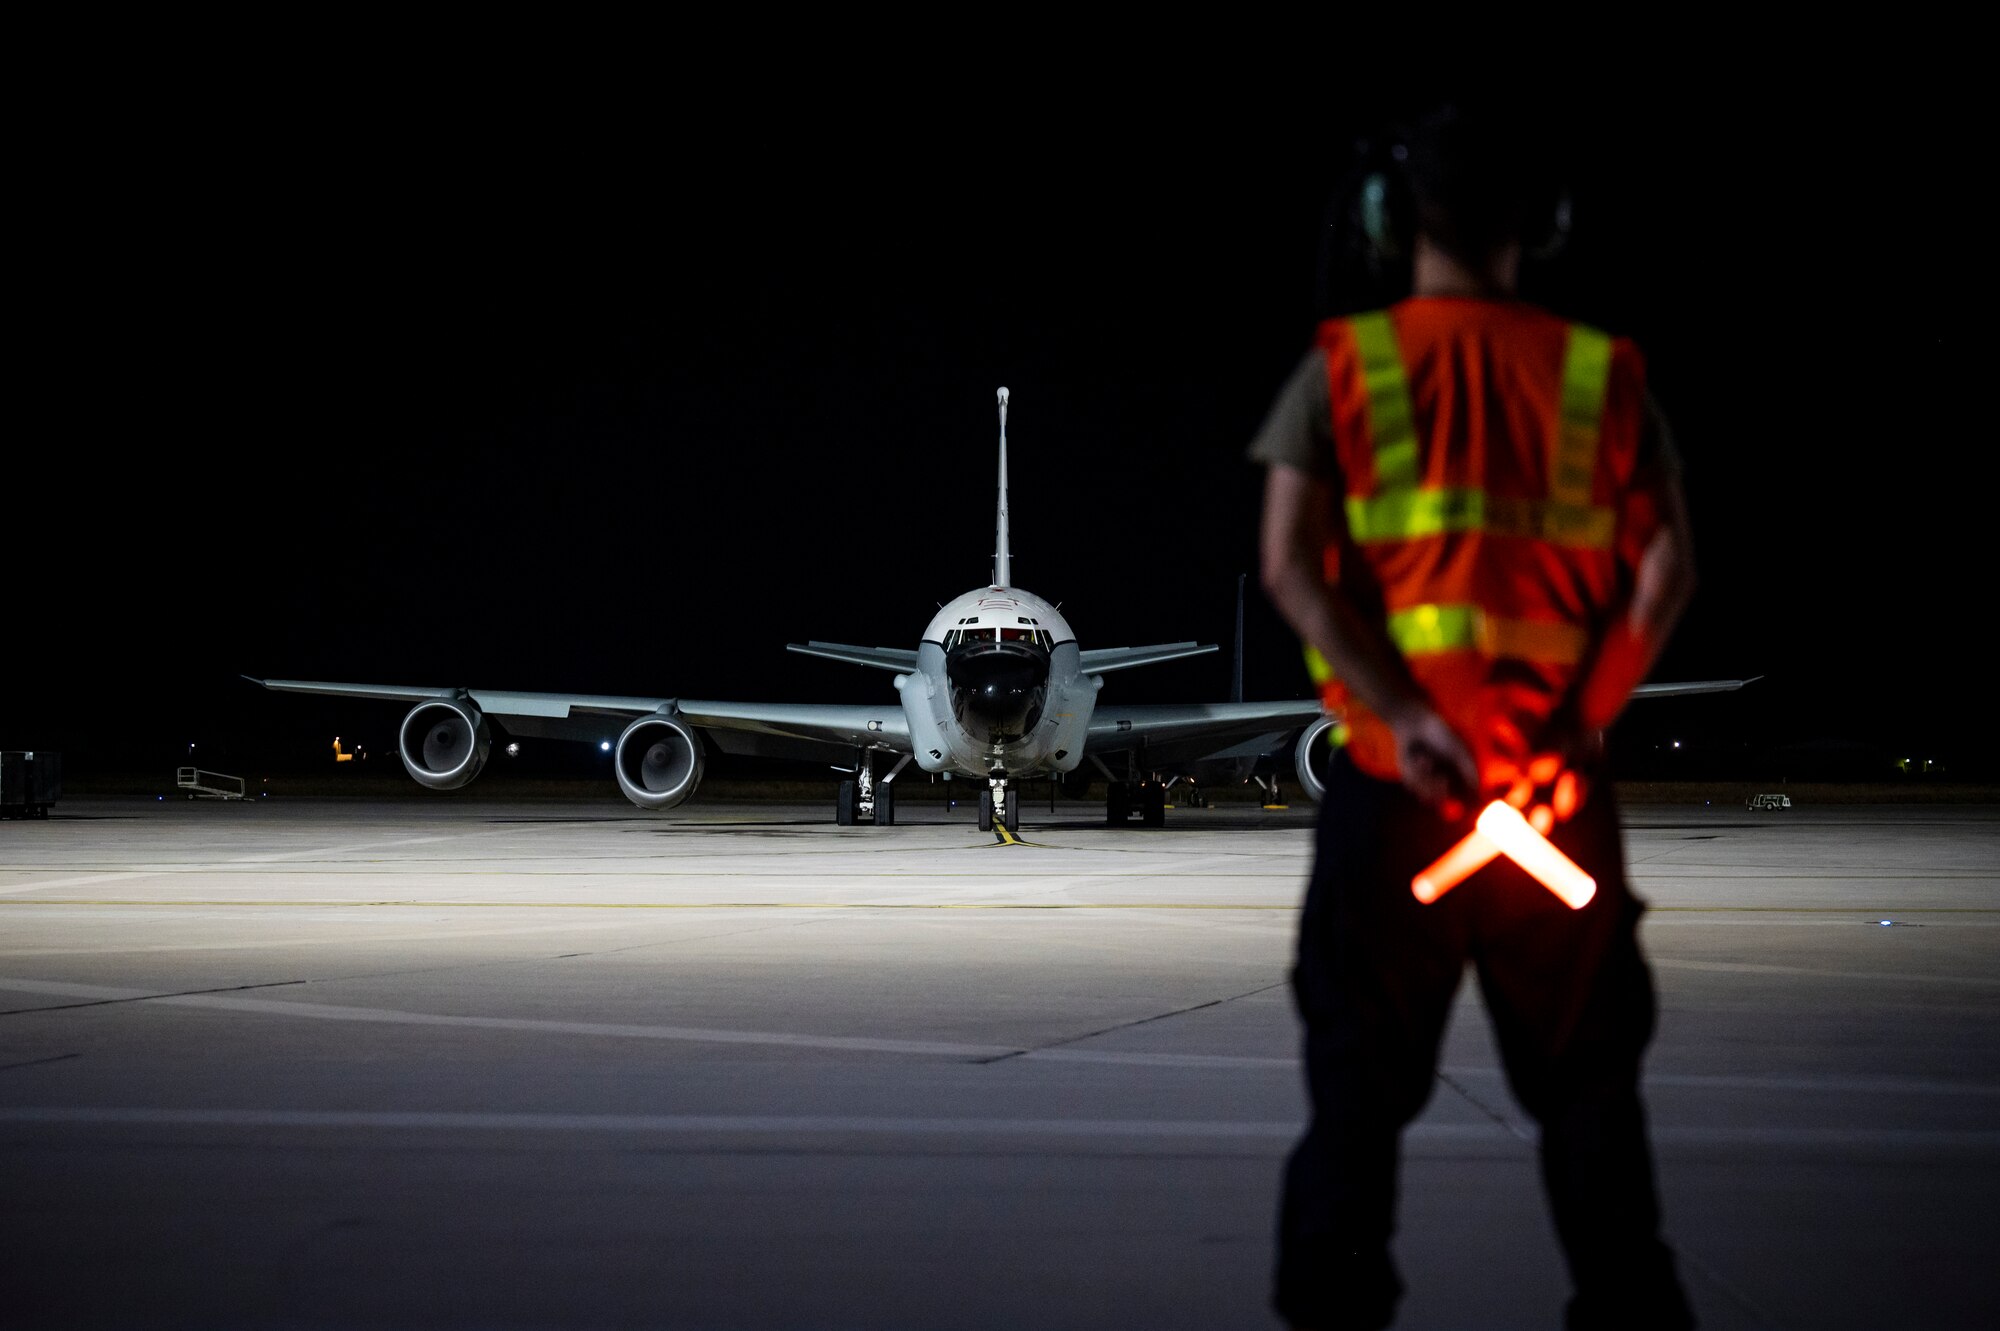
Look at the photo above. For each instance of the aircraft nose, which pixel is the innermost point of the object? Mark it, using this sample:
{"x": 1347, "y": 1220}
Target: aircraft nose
{"x": 999, "y": 682}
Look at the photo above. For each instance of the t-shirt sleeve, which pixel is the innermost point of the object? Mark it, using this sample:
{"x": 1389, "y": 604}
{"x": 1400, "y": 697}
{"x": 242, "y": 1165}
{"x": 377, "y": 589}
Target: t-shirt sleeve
{"x": 1298, "y": 430}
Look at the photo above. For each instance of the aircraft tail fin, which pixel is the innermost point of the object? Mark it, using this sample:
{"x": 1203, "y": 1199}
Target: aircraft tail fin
{"x": 1003, "y": 571}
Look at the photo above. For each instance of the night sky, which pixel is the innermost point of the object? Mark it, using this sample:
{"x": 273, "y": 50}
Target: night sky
{"x": 622, "y": 397}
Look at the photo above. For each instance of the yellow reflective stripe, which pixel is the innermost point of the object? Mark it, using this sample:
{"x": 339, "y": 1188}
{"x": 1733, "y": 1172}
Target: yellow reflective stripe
{"x": 1408, "y": 514}
{"x": 1424, "y": 630}
{"x": 1427, "y": 630}
{"x": 1573, "y": 458}
{"x": 1391, "y": 426}
{"x": 1322, "y": 675}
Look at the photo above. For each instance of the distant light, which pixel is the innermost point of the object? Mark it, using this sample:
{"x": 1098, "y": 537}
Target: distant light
{"x": 604, "y": 745}
{"x": 1887, "y": 923}
{"x": 513, "y": 750}
{"x": 1677, "y": 744}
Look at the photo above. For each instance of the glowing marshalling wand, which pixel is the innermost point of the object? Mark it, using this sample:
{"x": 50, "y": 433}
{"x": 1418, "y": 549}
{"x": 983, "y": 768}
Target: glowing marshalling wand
{"x": 1501, "y": 830}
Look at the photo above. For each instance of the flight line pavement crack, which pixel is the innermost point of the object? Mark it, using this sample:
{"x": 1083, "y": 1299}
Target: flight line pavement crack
{"x": 1128, "y": 1025}
{"x": 147, "y": 998}
{"x": 1507, "y": 1124}
{"x": 556, "y": 956}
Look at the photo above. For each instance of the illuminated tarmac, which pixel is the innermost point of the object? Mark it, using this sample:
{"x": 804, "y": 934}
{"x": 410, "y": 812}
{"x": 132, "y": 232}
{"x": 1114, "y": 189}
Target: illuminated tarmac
{"x": 439, "y": 1062}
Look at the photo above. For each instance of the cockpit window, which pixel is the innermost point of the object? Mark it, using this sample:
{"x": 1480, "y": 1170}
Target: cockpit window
{"x": 954, "y": 637}
{"x": 957, "y": 637}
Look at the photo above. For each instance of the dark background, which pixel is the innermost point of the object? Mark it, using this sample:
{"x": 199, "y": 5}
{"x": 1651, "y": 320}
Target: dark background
{"x": 619, "y": 390}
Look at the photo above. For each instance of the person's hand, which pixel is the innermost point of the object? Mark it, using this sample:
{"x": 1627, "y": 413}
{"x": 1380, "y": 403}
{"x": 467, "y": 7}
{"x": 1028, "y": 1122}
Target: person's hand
{"x": 1436, "y": 765}
{"x": 1566, "y": 744}
{"x": 1553, "y": 775}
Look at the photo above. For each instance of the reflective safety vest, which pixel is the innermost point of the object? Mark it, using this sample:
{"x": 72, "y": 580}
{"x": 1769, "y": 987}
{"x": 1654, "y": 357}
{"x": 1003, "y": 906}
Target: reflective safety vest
{"x": 1487, "y": 452}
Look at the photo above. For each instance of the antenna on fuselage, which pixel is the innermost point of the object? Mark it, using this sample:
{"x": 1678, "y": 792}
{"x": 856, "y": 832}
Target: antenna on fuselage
{"x": 1003, "y": 572}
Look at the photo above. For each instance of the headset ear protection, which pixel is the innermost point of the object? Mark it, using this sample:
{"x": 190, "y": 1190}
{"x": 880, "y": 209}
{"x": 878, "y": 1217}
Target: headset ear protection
{"x": 1553, "y": 237}
{"x": 1385, "y": 212}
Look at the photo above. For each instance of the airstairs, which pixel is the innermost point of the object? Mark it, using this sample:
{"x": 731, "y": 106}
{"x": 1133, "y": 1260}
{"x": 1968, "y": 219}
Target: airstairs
{"x": 208, "y": 785}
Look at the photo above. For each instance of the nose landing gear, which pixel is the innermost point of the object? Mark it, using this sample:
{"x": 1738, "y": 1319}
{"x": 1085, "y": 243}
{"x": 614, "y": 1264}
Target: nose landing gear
{"x": 995, "y": 804}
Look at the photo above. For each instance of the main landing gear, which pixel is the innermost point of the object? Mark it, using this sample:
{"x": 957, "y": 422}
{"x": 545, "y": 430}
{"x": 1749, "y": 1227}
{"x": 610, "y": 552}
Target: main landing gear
{"x": 1147, "y": 798}
{"x": 863, "y": 799}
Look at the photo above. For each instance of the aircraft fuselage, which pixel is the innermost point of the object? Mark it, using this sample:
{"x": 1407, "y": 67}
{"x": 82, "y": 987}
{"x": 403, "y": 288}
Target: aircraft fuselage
{"x": 999, "y": 689}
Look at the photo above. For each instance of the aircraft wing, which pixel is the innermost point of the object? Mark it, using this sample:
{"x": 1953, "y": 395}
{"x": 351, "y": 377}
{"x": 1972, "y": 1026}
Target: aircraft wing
{"x": 845, "y": 726}
{"x": 1114, "y": 729}
{"x": 789, "y": 730}
{"x": 1103, "y": 660}
{"x": 1211, "y": 727}
{"x": 1096, "y": 661}
{"x": 494, "y": 702}
{"x": 902, "y": 659}
{"x": 1675, "y": 690}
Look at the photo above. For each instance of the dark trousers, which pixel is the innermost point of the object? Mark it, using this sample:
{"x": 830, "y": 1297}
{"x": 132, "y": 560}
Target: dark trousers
{"x": 1571, "y": 1002}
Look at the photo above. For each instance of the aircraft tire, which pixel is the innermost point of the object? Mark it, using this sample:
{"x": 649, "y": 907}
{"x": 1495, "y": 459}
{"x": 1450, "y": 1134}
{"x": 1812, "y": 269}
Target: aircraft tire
{"x": 1153, "y": 804}
{"x": 986, "y": 811}
{"x": 1117, "y": 803}
{"x": 885, "y": 805}
{"x": 845, "y": 805}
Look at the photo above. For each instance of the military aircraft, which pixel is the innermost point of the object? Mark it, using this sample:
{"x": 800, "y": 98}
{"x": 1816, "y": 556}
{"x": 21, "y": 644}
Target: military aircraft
{"x": 997, "y": 691}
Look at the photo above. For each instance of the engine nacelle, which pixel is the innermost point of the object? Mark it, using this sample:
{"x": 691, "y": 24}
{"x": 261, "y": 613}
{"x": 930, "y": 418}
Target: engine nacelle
{"x": 443, "y": 743}
{"x": 659, "y": 761}
{"x": 1314, "y": 757}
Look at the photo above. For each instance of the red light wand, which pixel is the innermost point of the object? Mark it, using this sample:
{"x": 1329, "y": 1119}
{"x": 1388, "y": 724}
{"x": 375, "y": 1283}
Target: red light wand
{"x": 1501, "y": 830}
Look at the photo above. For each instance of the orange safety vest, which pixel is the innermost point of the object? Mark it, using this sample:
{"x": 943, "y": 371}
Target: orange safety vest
{"x": 1487, "y": 450}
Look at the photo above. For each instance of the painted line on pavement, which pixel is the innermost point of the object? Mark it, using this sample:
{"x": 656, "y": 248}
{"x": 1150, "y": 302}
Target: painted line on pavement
{"x": 429, "y": 904}
{"x": 1097, "y": 1057}
{"x": 1106, "y": 1057}
{"x": 732, "y": 1124}
{"x": 261, "y": 857}
{"x": 1759, "y": 968}
{"x": 1844, "y": 1139}
{"x": 394, "y": 1017}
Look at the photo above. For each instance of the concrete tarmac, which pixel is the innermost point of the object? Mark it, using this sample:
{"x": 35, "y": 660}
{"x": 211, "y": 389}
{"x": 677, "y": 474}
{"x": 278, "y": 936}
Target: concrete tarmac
{"x": 450, "y": 1063}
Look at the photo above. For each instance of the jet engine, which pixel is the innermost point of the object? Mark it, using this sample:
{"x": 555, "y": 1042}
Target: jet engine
{"x": 443, "y": 743}
{"x": 1315, "y": 759}
{"x": 659, "y": 761}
